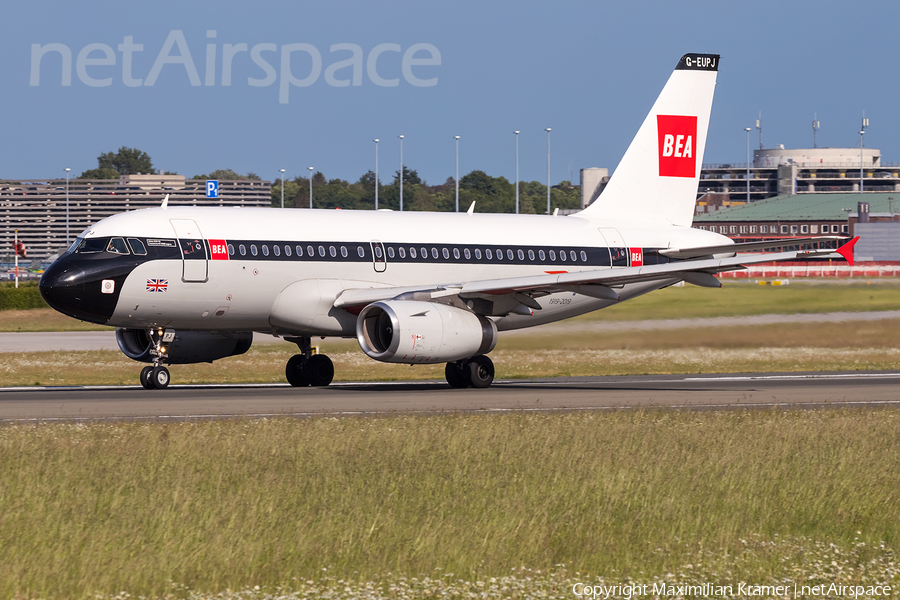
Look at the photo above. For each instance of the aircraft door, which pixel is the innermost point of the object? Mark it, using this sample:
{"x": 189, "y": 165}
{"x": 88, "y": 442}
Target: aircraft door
{"x": 618, "y": 253}
{"x": 379, "y": 259}
{"x": 193, "y": 250}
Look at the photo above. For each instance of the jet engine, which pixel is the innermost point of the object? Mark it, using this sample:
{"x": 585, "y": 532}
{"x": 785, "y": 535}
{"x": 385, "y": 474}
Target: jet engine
{"x": 187, "y": 348}
{"x": 409, "y": 331}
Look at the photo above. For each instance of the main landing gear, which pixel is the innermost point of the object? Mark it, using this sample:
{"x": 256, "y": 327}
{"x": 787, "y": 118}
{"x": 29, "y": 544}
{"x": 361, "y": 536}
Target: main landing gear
{"x": 476, "y": 372}
{"x": 308, "y": 369}
{"x": 157, "y": 376}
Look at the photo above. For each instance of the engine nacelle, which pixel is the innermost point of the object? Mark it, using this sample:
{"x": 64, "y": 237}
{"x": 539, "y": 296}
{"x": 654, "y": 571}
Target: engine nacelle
{"x": 402, "y": 331}
{"x": 187, "y": 348}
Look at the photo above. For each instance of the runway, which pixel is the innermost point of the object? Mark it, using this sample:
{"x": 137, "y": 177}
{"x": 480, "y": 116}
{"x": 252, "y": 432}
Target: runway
{"x": 710, "y": 392}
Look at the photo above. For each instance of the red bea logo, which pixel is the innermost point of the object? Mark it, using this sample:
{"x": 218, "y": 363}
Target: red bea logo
{"x": 677, "y": 145}
{"x": 218, "y": 249}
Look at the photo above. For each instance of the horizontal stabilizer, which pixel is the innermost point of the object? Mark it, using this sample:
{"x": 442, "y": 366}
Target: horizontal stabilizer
{"x": 748, "y": 246}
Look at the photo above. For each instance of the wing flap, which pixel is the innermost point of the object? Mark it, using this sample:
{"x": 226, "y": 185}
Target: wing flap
{"x": 728, "y": 248}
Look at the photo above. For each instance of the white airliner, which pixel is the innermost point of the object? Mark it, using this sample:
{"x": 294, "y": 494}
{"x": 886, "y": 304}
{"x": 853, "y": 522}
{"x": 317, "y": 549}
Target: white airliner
{"x": 191, "y": 284}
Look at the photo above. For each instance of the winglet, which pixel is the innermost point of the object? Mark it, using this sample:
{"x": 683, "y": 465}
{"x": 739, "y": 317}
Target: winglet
{"x": 847, "y": 250}
{"x": 165, "y": 202}
{"x": 471, "y": 208}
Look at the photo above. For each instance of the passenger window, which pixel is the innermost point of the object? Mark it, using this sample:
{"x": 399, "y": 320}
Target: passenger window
{"x": 360, "y": 251}
{"x": 332, "y": 251}
{"x": 509, "y": 253}
{"x": 446, "y": 253}
{"x": 541, "y": 255}
{"x": 276, "y": 250}
{"x": 321, "y": 251}
{"x": 265, "y": 250}
{"x": 467, "y": 254}
{"x": 378, "y": 252}
{"x": 562, "y": 255}
{"x": 117, "y": 246}
{"x": 402, "y": 251}
{"x": 243, "y": 250}
{"x": 230, "y": 249}
{"x": 299, "y": 250}
{"x": 531, "y": 255}
{"x": 311, "y": 252}
{"x": 390, "y": 252}
{"x": 424, "y": 253}
{"x": 344, "y": 251}
{"x": 572, "y": 255}
{"x": 287, "y": 250}
{"x": 456, "y": 253}
{"x": 499, "y": 254}
{"x": 583, "y": 256}
{"x": 434, "y": 253}
{"x": 137, "y": 247}
{"x": 521, "y": 255}
{"x": 477, "y": 253}
{"x": 412, "y": 252}
{"x": 253, "y": 249}
{"x": 488, "y": 254}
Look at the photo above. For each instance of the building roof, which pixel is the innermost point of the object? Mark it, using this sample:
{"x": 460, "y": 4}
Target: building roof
{"x": 803, "y": 207}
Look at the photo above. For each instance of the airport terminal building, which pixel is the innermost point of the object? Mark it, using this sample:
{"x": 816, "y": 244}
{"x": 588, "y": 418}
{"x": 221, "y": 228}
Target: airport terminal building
{"x": 43, "y": 211}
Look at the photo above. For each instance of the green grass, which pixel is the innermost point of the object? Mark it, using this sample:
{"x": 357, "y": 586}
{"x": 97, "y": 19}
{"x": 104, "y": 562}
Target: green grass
{"x": 735, "y": 298}
{"x": 869, "y": 345}
{"x": 229, "y": 505}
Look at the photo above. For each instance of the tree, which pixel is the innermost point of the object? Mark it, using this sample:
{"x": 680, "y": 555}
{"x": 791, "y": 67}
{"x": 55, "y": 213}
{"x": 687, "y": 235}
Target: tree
{"x": 127, "y": 161}
{"x": 228, "y": 175}
{"x": 100, "y": 173}
{"x": 409, "y": 176}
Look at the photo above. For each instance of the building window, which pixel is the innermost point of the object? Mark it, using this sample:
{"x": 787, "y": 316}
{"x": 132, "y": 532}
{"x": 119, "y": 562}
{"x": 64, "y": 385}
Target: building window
{"x": 723, "y": 229}
{"x": 814, "y": 229}
{"x": 784, "y": 229}
{"x": 703, "y": 227}
{"x": 793, "y": 229}
{"x": 753, "y": 229}
{"x": 804, "y": 229}
{"x": 732, "y": 229}
{"x": 845, "y": 228}
{"x": 744, "y": 229}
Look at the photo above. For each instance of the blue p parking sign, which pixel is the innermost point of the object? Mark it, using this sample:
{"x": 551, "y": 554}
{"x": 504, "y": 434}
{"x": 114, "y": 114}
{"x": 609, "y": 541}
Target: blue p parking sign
{"x": 212, "y": 188}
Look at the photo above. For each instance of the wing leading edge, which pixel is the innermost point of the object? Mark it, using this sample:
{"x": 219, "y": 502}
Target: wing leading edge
{"x": 595, "y": 283}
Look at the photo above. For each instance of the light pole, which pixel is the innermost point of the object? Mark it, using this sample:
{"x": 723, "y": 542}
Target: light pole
{"x": 747, "y": 129}
{"x": 548, "y": 170}
{"x": 67, "y": 208}
{"x": 401, "y": 172}
{"x": 456, "y": 137}
{"x": 376, "y": 173}
{"x": 282, "y": 188}
{"x": 310, "y": 185}
{"x": 517, "y": 171}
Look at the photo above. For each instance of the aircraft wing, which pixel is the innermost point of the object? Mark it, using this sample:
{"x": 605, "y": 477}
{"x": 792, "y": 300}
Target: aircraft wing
{"x": 596, "y": 283}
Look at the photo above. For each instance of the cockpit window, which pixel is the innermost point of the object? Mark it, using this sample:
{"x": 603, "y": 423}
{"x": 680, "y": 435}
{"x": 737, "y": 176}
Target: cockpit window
{"x": 90, "y": 245}
{"x": 117, "y": 246}
{"x": 75, "y": 244}
{"x": 137, "y": 246}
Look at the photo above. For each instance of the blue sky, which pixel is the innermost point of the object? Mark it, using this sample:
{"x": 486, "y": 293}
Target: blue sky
{"x": 588, "y": 70}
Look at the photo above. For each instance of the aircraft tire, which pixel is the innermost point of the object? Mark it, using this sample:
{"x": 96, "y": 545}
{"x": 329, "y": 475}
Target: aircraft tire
{"x": 294, "y": 371}
{"x": 318, "y": 370}
{"x": 145, "y": 378}
{"x": 481, "y": 371}
{"x": 457, "y": 374}
{"x": 159, "y": 377}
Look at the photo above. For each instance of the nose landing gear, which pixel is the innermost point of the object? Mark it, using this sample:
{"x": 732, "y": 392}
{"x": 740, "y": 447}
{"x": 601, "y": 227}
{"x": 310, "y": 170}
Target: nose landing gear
{"x": 157, "y": 376}
{"x": 308, "y": 369}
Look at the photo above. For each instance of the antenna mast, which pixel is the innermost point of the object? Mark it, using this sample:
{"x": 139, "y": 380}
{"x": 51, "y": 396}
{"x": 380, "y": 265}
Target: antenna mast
{"x": 759, "y": 129}
{"x": 815, "y": 126}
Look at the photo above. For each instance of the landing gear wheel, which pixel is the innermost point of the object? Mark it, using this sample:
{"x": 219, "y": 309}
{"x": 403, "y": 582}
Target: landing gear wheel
{"x": 159, "y": 377}
{"x": 294, "y": 371}
{"x": 481, "y": 371}
{"x": 145, "y": 378}
{"x": 457, "y": 374}
{"x": 318, "y": 370}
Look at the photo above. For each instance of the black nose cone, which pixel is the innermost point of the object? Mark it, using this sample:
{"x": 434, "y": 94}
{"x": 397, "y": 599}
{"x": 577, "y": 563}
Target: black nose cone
{"x": 75, "y": 288}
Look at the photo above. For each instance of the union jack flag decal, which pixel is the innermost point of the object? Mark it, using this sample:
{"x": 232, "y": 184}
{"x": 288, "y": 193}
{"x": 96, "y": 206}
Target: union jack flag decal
{"x": 157, "y": 285}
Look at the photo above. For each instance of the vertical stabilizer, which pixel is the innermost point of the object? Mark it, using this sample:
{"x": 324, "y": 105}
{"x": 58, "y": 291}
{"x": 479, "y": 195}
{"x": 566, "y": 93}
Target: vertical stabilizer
{"x": 656, "y": 181}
